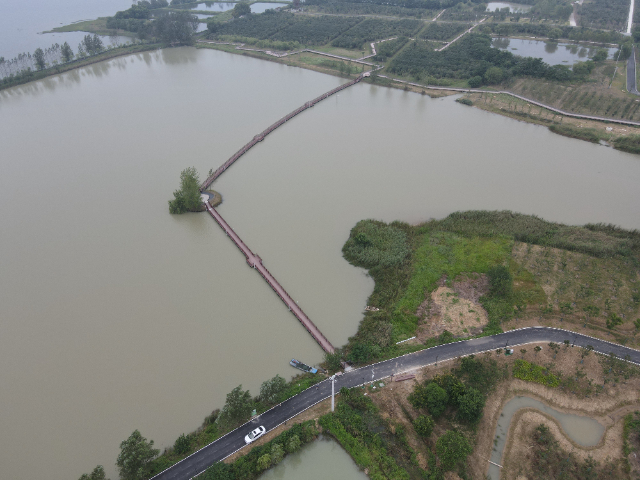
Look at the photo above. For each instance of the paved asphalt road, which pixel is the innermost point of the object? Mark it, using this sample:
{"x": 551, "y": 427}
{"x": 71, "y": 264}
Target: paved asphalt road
{"x": 233, "y": 441}
{"x": 631, "y": 73}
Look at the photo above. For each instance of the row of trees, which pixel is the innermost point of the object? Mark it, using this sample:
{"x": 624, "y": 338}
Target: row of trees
{"x": 169, "y": 27}
{"x": 54, "y": 55}
{"x": 135, "y": 461}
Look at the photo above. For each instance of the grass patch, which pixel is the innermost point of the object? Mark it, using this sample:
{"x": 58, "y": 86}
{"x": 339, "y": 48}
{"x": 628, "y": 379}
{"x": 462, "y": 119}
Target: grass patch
{"x": 369, "y": 439}
{"x": 588, "y": 134}
{"x": 629, "y": 143}
{"x": 530, "y": 372}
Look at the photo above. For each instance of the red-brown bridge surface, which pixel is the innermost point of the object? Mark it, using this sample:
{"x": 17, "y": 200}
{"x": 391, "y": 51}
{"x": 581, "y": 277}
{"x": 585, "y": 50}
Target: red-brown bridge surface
{"x": 256, "y": 262}
{"x": 252, "y": 259}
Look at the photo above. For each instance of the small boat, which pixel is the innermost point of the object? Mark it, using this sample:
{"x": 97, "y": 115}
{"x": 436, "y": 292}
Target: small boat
{"x": 301, "y": 366}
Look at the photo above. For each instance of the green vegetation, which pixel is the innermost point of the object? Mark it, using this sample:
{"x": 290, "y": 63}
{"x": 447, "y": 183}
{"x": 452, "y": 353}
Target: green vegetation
{"x": 444, "y": 31}
{"x": 373, "y": 442}
{"x": 472, "y": 56}
{"x": 588, "y": 134}
{"x": 530, "y": 372}
{"x": 609, "y": 14}
{"x": 240, "y": 9}
{"x": 270, "y": 390}
{"x": 373, "y": 244}
{"x": 315, "y": 30}
{"x": 135, "y": 456}
{"x": 418, "y": 9}
{"x": 387, "y": 49}
{"x": 452, "y": 448}
{"x": 552, "y": 31}
{"x": 423, "y": 425}
{"x": 187, "y": 198}
{"x": 629, "y": 143}
{"x": 376, "y": 29}
{"x": 407, "y": 263}
{"x": 236, "y": 410}
{"x": 96, "y": 474}
{"x": 597, "y": 240}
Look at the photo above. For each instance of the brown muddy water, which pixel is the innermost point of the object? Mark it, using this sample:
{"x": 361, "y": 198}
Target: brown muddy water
{"x": 115, "y": 315}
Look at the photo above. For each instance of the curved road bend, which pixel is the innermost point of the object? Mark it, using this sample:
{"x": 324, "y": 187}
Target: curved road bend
{"x": 233, "y": 441}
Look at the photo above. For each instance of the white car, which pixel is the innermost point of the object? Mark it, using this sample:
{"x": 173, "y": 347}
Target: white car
{"x": 254, "y": 434}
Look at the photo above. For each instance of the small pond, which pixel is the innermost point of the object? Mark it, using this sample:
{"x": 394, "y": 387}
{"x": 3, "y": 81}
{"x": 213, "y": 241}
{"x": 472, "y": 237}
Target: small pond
{"x": 318, "y": 460}
{"x": 584, "y": 431}
{"x": 513, "y": 7}
{"x": 215, "y": 6}
{"x": 260, "y": 7}
{"x": 551, "y": 52}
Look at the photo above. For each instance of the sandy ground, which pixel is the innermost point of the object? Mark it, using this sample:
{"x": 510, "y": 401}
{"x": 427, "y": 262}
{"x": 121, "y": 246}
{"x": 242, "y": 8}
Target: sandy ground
{"x": 454, "y": 309}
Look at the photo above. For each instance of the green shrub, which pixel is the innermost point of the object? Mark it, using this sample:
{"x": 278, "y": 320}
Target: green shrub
{"x": 501, "y": 281}
{"x": 531, "y": 372}
{"x": 374, "y": 243}
{"x": 629, "y": 143}
{"x": 182, "y": 444}
{"x": 613, "y": 321}
{"x": 464, "y": 101}
{"x": 588, "y": 134}
{"x": 423, "y": 425}
{"x": 430, "y": 396}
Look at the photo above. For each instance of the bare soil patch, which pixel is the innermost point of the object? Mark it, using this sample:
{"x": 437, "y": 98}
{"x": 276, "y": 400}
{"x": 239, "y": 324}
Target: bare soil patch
{"x": 454, "y": 309}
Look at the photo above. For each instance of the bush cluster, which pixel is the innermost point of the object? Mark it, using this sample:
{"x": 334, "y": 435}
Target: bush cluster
{"x": 530, "y": 372}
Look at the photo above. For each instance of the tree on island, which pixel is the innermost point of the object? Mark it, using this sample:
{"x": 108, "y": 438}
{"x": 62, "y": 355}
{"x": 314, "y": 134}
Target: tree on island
{"x": 135, "y": 454}
{"x": 187, "y": 198}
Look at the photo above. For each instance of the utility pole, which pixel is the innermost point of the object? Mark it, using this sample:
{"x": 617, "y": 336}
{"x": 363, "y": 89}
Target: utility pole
{"x": 333, "y": 392}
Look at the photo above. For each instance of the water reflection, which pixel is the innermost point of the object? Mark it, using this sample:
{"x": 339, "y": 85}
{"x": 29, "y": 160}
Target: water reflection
{"x": 550, "y": 52}
{"x": 501, "y": 43}
{"x": 550, "y": 47}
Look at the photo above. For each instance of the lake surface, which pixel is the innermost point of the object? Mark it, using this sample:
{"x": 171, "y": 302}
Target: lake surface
{"x": 215, "y": 6}
{"x": 319, "y": 460}
{"x": 260, "y": 7}
{"x": 21, "y": 22}
{"x": 117, "y": 315}
{"x": 551, "y": 52}
{"x": 513, "y": 7}
{"x": 583, "y": 430}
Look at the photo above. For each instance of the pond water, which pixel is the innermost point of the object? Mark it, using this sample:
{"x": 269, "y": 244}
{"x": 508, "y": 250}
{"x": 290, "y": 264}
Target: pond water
{"x": 553, "y": 53}
{"x": 584, "y": 431}
{"x": 260, "y": 7}
{"x": 117, "y": 315}
{"x": 319, "y": 460}
{"x": 215, "y": 6}
{"x": 513, "y": 7}
{"x": 21, "y": 22}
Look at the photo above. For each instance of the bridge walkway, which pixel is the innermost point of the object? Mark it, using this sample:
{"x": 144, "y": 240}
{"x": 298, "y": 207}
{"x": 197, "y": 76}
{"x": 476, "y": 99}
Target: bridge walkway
{"x": 256, "y": 262}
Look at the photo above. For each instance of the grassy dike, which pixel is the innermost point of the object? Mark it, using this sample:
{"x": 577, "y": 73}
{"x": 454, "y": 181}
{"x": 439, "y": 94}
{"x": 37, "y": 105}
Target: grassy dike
{"x": 9, "y": 82}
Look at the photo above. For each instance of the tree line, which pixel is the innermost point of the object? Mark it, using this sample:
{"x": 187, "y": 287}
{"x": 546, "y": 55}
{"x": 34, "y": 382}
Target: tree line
{"x": 25, "y": 63}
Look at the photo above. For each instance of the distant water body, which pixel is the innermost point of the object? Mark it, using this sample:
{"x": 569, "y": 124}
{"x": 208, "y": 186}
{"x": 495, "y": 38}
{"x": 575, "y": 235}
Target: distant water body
{"x": 22, "y": 22}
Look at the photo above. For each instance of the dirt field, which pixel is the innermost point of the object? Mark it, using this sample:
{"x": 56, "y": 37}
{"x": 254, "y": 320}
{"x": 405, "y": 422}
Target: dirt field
{"x": 454, "y": 309}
